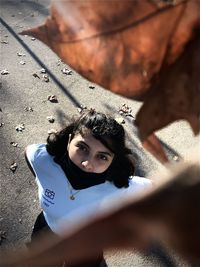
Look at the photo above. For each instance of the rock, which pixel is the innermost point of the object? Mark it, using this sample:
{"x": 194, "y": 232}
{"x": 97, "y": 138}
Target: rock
{"x": 14, "y": 144}
{"x": 20, "y": 54}
{"x": 22, "y": 62}
{"x": 42, "y": 71}
{"x": 13, "y": 166}
{"x": 5, "y": 72}
{"x": 51, "y": 119}
{"x": 67, "y": 71}
{"x": 36, "y": 75}
{"x": 20, "y": 127}
{"x": 30, "y": 109}
{"x": 52, "y": 98}
{"x": 4, "y": 42}
{"x": 45, "y": 78}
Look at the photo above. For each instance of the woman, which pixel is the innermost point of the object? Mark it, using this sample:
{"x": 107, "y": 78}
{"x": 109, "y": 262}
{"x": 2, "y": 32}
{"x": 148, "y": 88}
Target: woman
{"x": 78, "y": 168}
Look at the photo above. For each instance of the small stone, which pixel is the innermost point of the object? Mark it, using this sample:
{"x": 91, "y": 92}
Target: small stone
{"x": 20, "y": 220}
{"x": 1, "y": 124}
{"x": 52, "y": 131}
{"x": 20, "y": 54}
{"x": 5, "y": 72}
{"x": 4, "y": 42}
{"x": 67, "y": 71}
{"x": 30, "y": 109}
{"x": 51, "y": 119}
{"x": 20, "y": 127}
{"x": 34, "y": 201}
{"x": 13, "y": 167}
{"x": 14, "y": 144}
{"x": 36, "y": 75}
{"x": 22, "y": 62}
{"x": 32, "y": 39}
{"x": 42, "y": 71}
{"x": 52, "y": 98}
{"x": 45, "y": 78}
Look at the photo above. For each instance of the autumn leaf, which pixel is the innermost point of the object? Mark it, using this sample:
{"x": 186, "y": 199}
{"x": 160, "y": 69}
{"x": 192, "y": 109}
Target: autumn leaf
{"x": 143, "y": 50}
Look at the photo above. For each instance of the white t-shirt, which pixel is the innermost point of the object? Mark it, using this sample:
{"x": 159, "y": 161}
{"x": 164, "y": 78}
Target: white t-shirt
{"x": 54, "y": 190}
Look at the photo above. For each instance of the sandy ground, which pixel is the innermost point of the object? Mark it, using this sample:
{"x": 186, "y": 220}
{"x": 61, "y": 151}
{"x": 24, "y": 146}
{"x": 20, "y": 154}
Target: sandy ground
{"x": 24, "y": 100}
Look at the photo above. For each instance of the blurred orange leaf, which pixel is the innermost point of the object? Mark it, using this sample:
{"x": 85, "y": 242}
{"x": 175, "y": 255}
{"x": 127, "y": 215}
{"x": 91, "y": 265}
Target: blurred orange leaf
{"x": 145, "y": 50}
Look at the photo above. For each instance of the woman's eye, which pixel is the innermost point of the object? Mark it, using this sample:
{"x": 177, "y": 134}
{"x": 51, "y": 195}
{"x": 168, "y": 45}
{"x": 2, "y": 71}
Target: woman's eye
{"x": 103, "y": 157}
{"x": 81, "y": 147}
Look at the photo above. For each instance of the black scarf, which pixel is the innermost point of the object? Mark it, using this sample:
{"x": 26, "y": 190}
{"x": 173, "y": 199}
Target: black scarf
{"x": 78, "y": 178}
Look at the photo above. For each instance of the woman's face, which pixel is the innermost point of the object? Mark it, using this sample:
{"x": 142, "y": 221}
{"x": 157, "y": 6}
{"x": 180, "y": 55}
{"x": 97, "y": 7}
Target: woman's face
{"x": 89, "y": 154}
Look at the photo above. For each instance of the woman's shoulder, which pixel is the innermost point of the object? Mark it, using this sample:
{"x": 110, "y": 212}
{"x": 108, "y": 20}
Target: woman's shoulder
{"x": 35, "y": 151}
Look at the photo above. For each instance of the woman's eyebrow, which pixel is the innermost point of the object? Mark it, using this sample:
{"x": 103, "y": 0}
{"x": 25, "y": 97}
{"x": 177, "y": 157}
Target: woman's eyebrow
{"x": 105, "y": 153}
{"x": 100, "y": 152}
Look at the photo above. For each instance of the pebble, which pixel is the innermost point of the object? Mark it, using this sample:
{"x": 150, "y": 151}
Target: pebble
{"x": 45, "y": 78}
{"x": 5, "y": 72}
{"x": 14, "y": 144}
{"x": 20, "y": 54}
{"x": 4, "y": 42}
{"x": 22, "y": 62}
{"x": 52, "y": 98}
{"x": 42, "y": 71}
{"x": 36, "y": 75}
{"x": 20, "y": 127}
{"x": 13, "y": 167}
{"x": 30, "y": 109}
{"x": 51, "y": 119}
{"x": 67, "y": 71}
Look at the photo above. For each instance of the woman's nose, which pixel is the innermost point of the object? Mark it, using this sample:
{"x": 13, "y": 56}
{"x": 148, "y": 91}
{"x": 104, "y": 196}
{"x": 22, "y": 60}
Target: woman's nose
{"x": 87, "y": 165}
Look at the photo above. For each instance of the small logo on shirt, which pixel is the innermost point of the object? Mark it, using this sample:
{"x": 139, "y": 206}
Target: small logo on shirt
{"x": 50, "y": 194}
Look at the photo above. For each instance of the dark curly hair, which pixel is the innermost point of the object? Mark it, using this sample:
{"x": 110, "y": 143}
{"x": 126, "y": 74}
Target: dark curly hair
{"x": 109, "y": 132}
